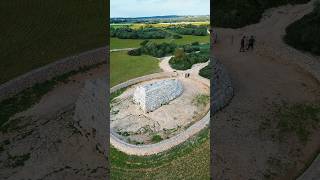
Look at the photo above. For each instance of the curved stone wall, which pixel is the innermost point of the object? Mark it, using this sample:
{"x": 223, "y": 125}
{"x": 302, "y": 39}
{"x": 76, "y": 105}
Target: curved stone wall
{"x": 164, "y": 145}
{"x": 52, "y": 70}
{"x": 221, "y": 87}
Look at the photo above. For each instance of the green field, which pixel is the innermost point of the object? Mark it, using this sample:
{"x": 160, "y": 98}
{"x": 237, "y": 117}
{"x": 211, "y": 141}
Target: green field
{"x": 35, "y": 33}
{"x": 124, "y": 67}
{"x": 190, "y": 160}
{"x": 158, "y": 25}
{"x": 116, "y": 43}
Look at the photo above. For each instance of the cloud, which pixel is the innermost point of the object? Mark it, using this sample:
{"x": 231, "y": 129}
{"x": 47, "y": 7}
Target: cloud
{"x": 138, "y": 8}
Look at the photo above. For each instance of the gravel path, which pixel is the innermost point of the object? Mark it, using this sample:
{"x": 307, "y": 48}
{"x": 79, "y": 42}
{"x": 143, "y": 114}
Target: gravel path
{"x": 273, "y": 73}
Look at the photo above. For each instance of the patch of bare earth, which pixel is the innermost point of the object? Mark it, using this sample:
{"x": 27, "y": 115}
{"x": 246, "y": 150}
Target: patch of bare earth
{"x": 245, "y": 149}
{"x": 43, "y": 143}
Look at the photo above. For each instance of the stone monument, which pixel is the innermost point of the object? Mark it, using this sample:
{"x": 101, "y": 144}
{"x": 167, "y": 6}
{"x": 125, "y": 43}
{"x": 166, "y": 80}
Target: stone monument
{"x": 153, "y": 95}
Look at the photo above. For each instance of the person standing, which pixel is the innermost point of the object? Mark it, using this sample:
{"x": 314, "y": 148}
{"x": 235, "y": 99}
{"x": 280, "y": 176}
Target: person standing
{"x": 246, "y": 43}
{"x": 242, "y": 44}
{"x": 251, "y": 43}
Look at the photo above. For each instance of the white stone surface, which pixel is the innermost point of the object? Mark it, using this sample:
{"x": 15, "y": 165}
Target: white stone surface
{"x": 154, "y": 95}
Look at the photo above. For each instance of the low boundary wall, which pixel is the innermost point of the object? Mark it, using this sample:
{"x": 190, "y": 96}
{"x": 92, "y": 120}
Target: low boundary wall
{"x": 221, "y": 87}
{"x": 52, "y": 70}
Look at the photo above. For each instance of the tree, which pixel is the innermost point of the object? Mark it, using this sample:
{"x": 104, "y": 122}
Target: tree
{"x": 179, "y": 53}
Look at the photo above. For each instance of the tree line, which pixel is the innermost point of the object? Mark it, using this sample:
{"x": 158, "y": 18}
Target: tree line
{"x": 141, "y": 33}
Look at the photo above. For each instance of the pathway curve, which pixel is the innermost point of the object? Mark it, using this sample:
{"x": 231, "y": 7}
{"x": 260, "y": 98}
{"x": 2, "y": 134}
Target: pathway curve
{"x": 123, "y": 49}
{"x": 166, "y": 144}
{"x": 272, "y": 73}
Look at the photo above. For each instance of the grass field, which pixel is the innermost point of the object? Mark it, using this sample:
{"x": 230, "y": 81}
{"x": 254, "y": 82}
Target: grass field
{"x": 190, "y": 160}
{"x": 116, "y": 43}
{"x": 124, "y": 67}
{"x": 158, "y": 25}
{"x": 35, "y": 33}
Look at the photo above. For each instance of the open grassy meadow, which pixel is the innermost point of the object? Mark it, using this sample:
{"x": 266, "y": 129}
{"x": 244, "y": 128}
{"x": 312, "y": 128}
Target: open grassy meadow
{"x": 116, "y": 43}
{"x": 124, "y": 67}
{"x": 35, "y": 33}
{"x": 158, "y": 25}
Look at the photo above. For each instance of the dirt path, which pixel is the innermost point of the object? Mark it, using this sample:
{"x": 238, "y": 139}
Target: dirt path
{"x": 262, "y": 78}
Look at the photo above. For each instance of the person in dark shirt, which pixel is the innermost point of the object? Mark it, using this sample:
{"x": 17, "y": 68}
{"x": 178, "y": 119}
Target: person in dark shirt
{"x": 242, "y": 44}
{"x": 251, "y": 43}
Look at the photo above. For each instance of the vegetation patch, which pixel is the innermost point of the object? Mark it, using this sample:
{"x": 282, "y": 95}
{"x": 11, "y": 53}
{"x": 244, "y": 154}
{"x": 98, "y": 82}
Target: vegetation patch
{"x": 236, "y": 14}
{"x": 50, "y": 31}
{"x": 201, "y": 100}
{"x": 189, "y": 30}
{"x": 30, "y": 96}
{"x": 156, "y": 138}
{"x": 183, "y": 61}
{"x": 116, "y": 43}
{"x": 206, "y": 72}
{"x": 141, "y": 33}
{"x": 304, "y": 33}
{"x": 298, "y": 119}
{"x": 16, "y": 161}
{"x": 117, "y": 93}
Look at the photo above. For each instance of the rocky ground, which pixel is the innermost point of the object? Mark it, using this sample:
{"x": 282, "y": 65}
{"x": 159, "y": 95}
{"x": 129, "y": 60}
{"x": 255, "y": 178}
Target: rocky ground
{"x": 246, "y": 137}
{"x": 43, "y": 143}
{"x": 129, "y": 120}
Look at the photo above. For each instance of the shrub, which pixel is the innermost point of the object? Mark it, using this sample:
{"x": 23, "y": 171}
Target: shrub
{"x": 156, "y": 138}
{"x": 206, "y": 71}
{"x": 135, "y": 52}
{"x": 303, "y": 34}
{"x": 177, "y": 36}
{"x": 158, "y": 50}
{"x": 239, "y": 13}
{"x": 195, "y": 43}
{"x": 186, "y": 62}
{"x": 190, "y": 48}
{"x": 144, "y": 42}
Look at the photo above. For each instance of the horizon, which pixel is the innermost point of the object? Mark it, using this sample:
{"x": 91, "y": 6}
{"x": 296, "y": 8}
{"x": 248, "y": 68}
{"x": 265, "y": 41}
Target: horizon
{"x": 149, "y": 8}
{"x": 160, "y": 16}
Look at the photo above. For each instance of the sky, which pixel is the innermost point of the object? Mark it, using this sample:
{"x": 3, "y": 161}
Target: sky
{"x": 142, "y": 8}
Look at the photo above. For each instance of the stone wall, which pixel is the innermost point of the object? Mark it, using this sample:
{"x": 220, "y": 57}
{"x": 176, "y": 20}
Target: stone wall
{"x": 166, "y": 144}
{"x": 52, "y": 70}
{"x": 221, "y": 87}
{"x": 154, "y": 95}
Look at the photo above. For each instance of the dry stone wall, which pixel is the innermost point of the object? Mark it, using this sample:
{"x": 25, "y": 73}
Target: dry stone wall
{"x": 52, "y": 70}
{"x": 149, "y": 149}
{"x": 154, "y": 95}
{"x": 221, "y": 87}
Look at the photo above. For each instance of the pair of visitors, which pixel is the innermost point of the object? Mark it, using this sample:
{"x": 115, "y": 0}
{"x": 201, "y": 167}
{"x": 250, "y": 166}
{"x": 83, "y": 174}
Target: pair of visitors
{"x": 247, "y": 43}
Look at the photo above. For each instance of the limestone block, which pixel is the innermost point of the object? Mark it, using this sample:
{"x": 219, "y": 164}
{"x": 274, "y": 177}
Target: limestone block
{"x": 153, "y": 95}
